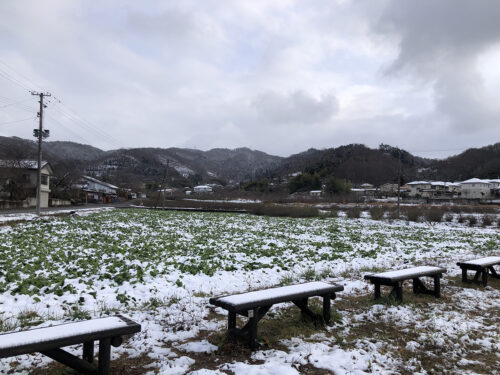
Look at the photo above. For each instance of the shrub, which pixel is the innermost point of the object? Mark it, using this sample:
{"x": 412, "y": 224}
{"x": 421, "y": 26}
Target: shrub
{"x": 377, "y": 212}
{"x": 461, "y": 219}
{"x": 448, "y": 218}
{"x": 332, "y": 213}
{"x": 472, "y": 220}
{"x": 487, "y": 220}
{"x": 434, "y": 214}
{"x": 413, "y": 213}
{"x": 353, "y": 213}
{"x": 281, "y": 210}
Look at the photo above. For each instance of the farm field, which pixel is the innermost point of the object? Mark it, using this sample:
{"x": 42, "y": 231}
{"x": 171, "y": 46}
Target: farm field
{"x": 160, "y": 267}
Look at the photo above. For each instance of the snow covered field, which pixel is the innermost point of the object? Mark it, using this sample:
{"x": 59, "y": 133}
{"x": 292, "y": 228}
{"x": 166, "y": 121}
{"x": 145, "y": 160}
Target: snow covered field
{"x": 159, "y": 268}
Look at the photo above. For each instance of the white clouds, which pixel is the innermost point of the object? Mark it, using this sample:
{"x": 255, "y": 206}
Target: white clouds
{"x": 280, "y": 76}
{"x": 295, "y": 108}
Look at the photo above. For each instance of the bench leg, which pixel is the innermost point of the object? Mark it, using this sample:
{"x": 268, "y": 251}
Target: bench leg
{"x": 397, "y": 291}
{"x": 377, "y": 290}
{"x": 464, "y": 275}
{"x": 493, "y": 273}
{"x": 476, "y": 277}
{"x": 88, "y": 351}
{"x": 253, "y": 329}
{"x": 437, "y": 286}
{"x": 485, "y": 277}
{"x": 326, "y": 308}
{"x": 231, "y": 320}
{"x": 70, "y": 360}
{"x": 104, "y": 356}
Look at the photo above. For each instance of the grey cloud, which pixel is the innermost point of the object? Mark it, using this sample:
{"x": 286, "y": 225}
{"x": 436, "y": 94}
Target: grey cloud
{"x": 440, "y": 42}
{"x": 297, "y": 107}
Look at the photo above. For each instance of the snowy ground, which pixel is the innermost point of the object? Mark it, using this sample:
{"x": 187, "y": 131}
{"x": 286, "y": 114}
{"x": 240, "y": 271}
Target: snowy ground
{"x": 160, "y": 268}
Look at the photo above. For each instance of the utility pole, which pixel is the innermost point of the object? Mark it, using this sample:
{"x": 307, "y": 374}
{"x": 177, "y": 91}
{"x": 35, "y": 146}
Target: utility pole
{"x": 165, "y": 174}
{"x": 399, "y": 180}
{"x": 40, "y": 134}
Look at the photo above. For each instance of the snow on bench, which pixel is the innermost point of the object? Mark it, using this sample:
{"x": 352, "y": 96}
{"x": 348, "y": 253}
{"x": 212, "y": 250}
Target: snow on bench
{"x": 255, "y": 305}
{"x": 487, "y": 261}
{"x": 58, "y": 332}
{"x": 396, "y": 279}
{"x": 407, "y": 273}
{"x": 285, "y": 293}
{"x": 482, "y": 266}
{"x": 50, "y": 340}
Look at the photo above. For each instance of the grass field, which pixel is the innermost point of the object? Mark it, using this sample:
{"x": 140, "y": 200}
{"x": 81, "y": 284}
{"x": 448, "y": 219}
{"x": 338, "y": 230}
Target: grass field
{"x": 160, "y": 268}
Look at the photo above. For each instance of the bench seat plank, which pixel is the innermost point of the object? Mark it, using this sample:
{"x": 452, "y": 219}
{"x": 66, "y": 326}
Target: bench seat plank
{"x": 407, "y": 273}
{"x": 66, "y": 334}
{"x": 245, "y": 301}
{"x": 483, "y": 262}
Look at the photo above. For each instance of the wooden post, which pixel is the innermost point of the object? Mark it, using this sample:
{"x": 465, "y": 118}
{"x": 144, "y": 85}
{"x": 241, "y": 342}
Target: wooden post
{"x": 485, "y": 276}
{"x": 437, "y": 286}
{"x": 399, "y": 291}
{"x": 231, "y": 321}
{"x": 253, "y": 327}
{"x": 377, "y": 290}
{"x": 464, "y": 274}
{"x": 104, "y": 356}
{"x": 326, "y": 308}
{"x": 88, "y": 351}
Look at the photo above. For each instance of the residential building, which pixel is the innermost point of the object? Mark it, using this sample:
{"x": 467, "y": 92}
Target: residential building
{"x": 92, "y": 190}
{"x": 18, "y": 181}
{"x": 202, "y": 189}
{"x": 475, "y": 188}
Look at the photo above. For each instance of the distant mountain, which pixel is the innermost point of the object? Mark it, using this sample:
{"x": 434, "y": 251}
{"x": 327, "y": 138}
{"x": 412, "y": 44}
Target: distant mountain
{"x": 356, "y": 163}
{"x": 150, "y": 164}
{"x": 73, "y": 151}
{"x": 180, "y": 166}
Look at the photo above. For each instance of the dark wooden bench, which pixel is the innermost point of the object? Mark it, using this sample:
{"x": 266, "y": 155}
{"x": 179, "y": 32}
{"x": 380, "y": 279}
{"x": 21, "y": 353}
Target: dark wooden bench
{"x": 255, "y": 305}
{"x": 397, "y": 278}
{"x": 50, "y": 340}
{"x": 482, "y": 266}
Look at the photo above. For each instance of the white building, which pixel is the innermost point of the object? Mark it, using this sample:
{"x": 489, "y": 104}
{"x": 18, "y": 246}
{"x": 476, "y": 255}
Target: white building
{"x": 202, "y": 189}
{"x": 25, "y": 175}
{"x": 417, "y": 188}
{"x": 475, "y": 188}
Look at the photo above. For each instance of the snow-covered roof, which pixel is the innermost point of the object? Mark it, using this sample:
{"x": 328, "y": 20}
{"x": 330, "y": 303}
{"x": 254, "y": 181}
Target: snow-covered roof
{"x": 23, "y": 164}
{"x": 476, "y": 181}
{"x": 418, "y": 183}
{"x": 99, "y": 182}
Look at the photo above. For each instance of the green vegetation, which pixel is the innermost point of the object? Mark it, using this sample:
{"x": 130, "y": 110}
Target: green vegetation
{"x": 67, "y": 255}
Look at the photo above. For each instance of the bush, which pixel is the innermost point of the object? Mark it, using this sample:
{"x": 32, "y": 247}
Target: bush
{"x": 413, "y": 213}
{"x": 332, "y": 213}
{"x": 377, "y": 212}
{"x": 353, "y": 213}
{"x": 434, "y": 214}
{"x": 448, "y": 218}
{"x": 487, "y": 220}
{"x": 472, "y": 220}
{"x": 287, "y": 211}
{"x": 461, "y": 219}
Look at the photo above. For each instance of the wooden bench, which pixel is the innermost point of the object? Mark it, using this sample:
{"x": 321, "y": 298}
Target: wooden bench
{"x": 397, "y": 278}
{"x": 255, "y": 305}
{"x": 50, "y": 340}
{"x": 482, "y": 266}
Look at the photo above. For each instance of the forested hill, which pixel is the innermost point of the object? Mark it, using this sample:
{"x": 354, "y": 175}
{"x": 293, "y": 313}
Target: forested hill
{"x": 355, "y": 163}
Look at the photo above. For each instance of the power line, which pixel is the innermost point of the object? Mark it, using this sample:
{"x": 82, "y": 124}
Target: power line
{"x": 14, "y": 103}
{"x": 12, "y": 122}
{"x": 21, "y": 75}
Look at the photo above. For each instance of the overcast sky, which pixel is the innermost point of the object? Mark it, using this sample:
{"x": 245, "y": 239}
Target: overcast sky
{"x": 279, "y": 76}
